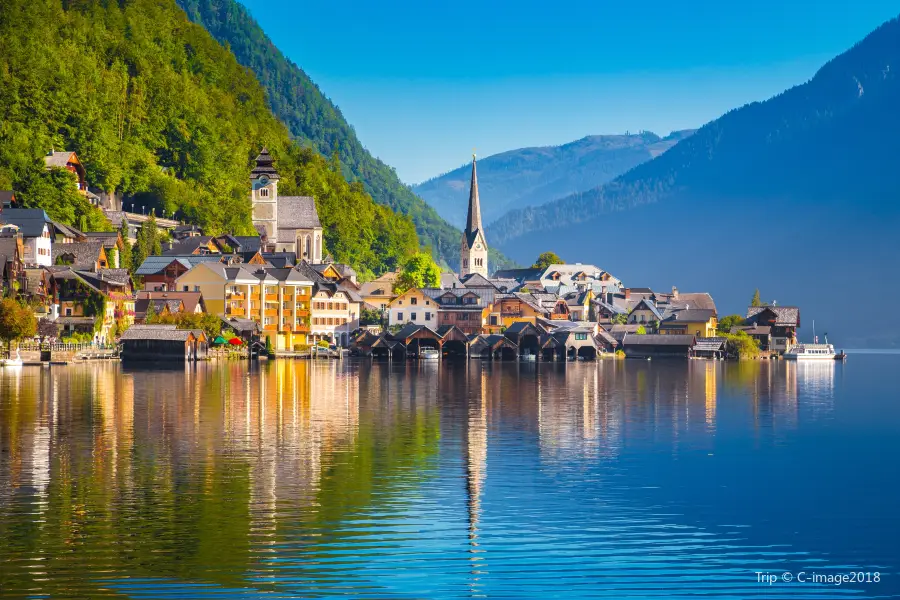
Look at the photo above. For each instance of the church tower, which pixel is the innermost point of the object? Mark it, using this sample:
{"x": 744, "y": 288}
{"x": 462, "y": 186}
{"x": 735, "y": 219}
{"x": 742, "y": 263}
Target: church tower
{"x": 473, "y": 252}
{"x": 264, "y": 196}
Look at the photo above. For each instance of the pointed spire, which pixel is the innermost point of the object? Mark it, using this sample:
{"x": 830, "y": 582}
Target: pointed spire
{"x": 264, "y": 166}
{"x": 473, "y": 221}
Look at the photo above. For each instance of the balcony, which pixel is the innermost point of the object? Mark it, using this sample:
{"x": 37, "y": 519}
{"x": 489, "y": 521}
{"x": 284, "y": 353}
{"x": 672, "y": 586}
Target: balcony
{"x": 287, "y": 298}
{"x": 270, "y": 312}
{"x": 287, "y": 313}
{"x": 301, "y": 312}
{"x": 272, "y": 327}
{"x": 234, "y": 296}
{"x": 271, "y": 297}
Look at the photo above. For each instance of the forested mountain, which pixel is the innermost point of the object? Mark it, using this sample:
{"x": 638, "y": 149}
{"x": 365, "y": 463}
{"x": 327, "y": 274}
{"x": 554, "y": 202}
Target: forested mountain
{"x": 315, "y": 120}
{"x": 535, "y": 176}
{"x": 797, "y": 195}
{"x": 159, "y": 110}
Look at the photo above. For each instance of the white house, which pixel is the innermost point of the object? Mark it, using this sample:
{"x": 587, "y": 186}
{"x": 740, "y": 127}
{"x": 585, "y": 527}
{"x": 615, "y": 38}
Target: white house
{"x": 35, "y": 227}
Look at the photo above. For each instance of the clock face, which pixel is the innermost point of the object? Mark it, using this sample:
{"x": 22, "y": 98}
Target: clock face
{"x": 478, "y": 246}
{"x": 263, "y": 180}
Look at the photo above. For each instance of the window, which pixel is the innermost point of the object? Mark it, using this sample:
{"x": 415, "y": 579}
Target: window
{"x": 412, "y": 316}
{"x": 196, "y": 288}
{"x": 264, "y": 192}
{"x": 494, "y": 320}
{"x": 465, "y": 262}
{"x": 399, "y": 316}
{"x": 462, "y": 317}
{"x": 68, "y": 312}
{"x": 413, "y": 301}
{"x": 427, "y": 316}
{"x": 581, "y": 336}
{"x": 184, "y": 288}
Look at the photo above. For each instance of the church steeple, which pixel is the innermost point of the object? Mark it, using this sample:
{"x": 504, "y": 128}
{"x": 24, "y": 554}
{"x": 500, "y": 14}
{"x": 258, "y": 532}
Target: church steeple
{"x": 473, "y": 220}
{"x": 473, "y": 250}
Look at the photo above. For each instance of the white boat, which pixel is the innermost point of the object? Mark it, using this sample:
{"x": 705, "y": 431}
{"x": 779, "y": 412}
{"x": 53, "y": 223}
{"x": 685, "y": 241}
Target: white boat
{"x": 12, "y": 362}
{"x": 810, "y": 352}
{"x": 429, "y": 354}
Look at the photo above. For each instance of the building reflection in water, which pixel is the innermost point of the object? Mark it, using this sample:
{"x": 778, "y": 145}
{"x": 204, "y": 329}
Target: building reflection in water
{"x": 251, "y": 477}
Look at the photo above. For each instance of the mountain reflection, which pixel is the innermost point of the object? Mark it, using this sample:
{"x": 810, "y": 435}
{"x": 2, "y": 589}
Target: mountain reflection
{"x": 250, "y": 478}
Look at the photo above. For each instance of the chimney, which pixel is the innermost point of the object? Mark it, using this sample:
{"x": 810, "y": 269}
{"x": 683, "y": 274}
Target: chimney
{"x": 628, "y": 293}
{"x": 674, "y": 292}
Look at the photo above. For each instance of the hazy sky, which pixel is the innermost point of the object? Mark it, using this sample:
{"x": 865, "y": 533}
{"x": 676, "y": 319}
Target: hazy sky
{"x": 424, "y": 82}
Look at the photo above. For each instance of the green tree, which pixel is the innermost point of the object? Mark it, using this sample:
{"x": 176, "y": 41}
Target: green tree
{"x": 419, "y": 271}
{"x": 370, "y": 316}
{"x": 546, "y": 259}
{"x": 741, "y": 345}
{"x": 756, "y": 301}
{"x": 641, "y": 330}
{"x": 125, "y": 257}
{"x": 620, "y": 319}
{"x": 16, "y": 322}
{"x": 727, "y": 322}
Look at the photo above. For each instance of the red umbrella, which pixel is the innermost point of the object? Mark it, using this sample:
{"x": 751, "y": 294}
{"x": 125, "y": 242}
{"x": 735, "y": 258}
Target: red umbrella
{"x": 235, "y": 341}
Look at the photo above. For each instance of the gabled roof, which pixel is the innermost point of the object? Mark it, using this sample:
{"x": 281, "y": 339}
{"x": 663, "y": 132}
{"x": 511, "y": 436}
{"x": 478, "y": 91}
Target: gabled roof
{"x": 9, "y": 247}
{"x": 785, "y": 316}
{"x": 60, "y": 159}
{"x": 450, "y": 280}
{"x": 30, "y": 221}
{"x": 297, "y": 212}
{"x": 679, "y": 317}
{"x": 156, "y": 264}
{"x": 520, "y": 275}
{"x": 66, "y": 231}
{"x": 752, "y": 329}
{"x": 476, "y": 280}
{"x": 7, "y": 197}
{"x": 411, "y": 329}
{"x": 85, "y": 255}
{"x": 647, "y": 305}
{"x": 700, "y": 300}
{"x": 109, "y": 239}
{"x": 519, "y": 327}
{"x": 710, "y": 344}
{"x": 190, "y": 299}
{"x": 603, "y": 336}
{"x": 188, "y": 246}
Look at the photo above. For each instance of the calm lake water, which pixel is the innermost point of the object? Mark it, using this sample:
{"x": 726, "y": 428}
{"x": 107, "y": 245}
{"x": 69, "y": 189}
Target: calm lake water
{"x": 619, "y": 479}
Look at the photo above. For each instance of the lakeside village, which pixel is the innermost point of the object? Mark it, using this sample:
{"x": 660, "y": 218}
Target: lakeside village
{"x": 276, "y": 295}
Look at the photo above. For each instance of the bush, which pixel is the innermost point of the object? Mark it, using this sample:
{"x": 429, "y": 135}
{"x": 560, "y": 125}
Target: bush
{"x": 323, "y": 343}
{"x": 301, "y": 347}
{"x": 741, "y": 345}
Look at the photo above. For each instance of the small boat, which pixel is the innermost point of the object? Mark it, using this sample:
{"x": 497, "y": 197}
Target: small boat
{"x": 811, "y": 352}
{"x": 12, "y": 362}
{"x": 429, "y": 354}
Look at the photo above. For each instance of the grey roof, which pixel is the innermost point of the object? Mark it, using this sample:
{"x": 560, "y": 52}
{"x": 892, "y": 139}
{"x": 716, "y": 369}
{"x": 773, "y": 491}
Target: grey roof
{"x": 241, "y": 325}
{"x": 411, "y": 329}
{"x": 190, "y": 299}
{"x": 450, "y": 280}
{"x": 63, "y": 229}
{"x": 248, "y": 243}
{"x": 141, "y": 305}
{"x": 297, "y": 212}
{"x": 476, "y": 280}
{"x": 648, "y": 305}
{"x": 505, "y": 284}
{"x": 710, "y": 344}
{"x": 58, "y": 159}
{"x": 117, "y": 275}
{"x": 656, "y": 339}
{"x": 784, "y": 315}
{"x": 154, "y": 264}
{"x": 110, "y": 239}
{"x": 752, "y": 329}
{"x": 700, "y": 300}
{"x": 612, "y": 308}
{"x": 74, "y": 320}
{"x": 676, "y": 318}
{"x": 30, "y": 221}
{"x": 9, "y": 247}
{"x": 6, "y": 197}
{"x": 187, "y": 246}
{"x": 84, "y": 254}
{"x": 603, "y": 336}
{"x": 153, "y": 332}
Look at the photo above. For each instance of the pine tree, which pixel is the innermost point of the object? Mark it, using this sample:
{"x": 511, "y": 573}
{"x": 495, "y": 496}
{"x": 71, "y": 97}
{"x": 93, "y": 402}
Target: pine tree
{"x": 756, "y": 301}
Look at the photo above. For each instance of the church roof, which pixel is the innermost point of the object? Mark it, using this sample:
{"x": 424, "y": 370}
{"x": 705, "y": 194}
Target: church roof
{"x": 473, "y": 219}
{"x": 264, "y": 166}
{"x": 297, "y": 212}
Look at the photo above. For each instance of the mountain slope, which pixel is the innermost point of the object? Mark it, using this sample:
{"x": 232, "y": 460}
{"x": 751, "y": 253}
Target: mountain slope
{"x": 796, "y": 195}
{"x": 535, "y": 176}
{"x": 159, "y": 111}
{"x": 828, "y": 139}
{"x": 314, "y": 119}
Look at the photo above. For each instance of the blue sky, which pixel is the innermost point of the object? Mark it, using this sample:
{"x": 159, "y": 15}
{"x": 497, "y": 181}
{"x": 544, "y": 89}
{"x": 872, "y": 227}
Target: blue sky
{"x": 425, "y": 82}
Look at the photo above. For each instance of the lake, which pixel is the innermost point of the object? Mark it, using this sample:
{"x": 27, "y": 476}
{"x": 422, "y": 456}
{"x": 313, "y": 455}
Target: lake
{"x": 619, "y": 479}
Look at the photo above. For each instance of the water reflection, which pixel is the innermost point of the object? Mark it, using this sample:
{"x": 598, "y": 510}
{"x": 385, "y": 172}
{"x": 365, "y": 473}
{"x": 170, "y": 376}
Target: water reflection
{"x": 392, "y": 479}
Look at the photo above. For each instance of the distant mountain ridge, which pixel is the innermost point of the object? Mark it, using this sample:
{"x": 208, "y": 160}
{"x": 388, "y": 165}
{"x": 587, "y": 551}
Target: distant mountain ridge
{"x": 537, "y": 175}
{"x": 797, "y": 195}
{"x": 828, "y": 139}
{"x": 311, "y": 117}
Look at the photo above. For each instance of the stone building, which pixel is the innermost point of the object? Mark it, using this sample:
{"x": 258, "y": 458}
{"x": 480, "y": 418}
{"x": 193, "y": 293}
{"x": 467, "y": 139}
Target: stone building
{"x": 286, "y": 223}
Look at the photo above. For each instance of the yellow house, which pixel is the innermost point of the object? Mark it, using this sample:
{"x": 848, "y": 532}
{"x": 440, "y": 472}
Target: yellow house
{"x": 513, "y": 308}
{"x": 644, "y": 313}
{"x": 379, "y": 292}
{"x": 692, "y": 321}
{"x": 276, "y": 298}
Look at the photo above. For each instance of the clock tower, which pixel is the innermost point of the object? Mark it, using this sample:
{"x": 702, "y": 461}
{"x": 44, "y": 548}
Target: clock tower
{"x": 264, "y": 197}
{"x": 473, "y": 253}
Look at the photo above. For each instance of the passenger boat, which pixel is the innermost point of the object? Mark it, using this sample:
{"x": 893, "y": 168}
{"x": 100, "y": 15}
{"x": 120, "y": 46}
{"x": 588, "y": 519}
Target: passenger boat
{"x": 12, "y": 362}
{"x": 810, "y": 352}
{"x": 429, "y": 354}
